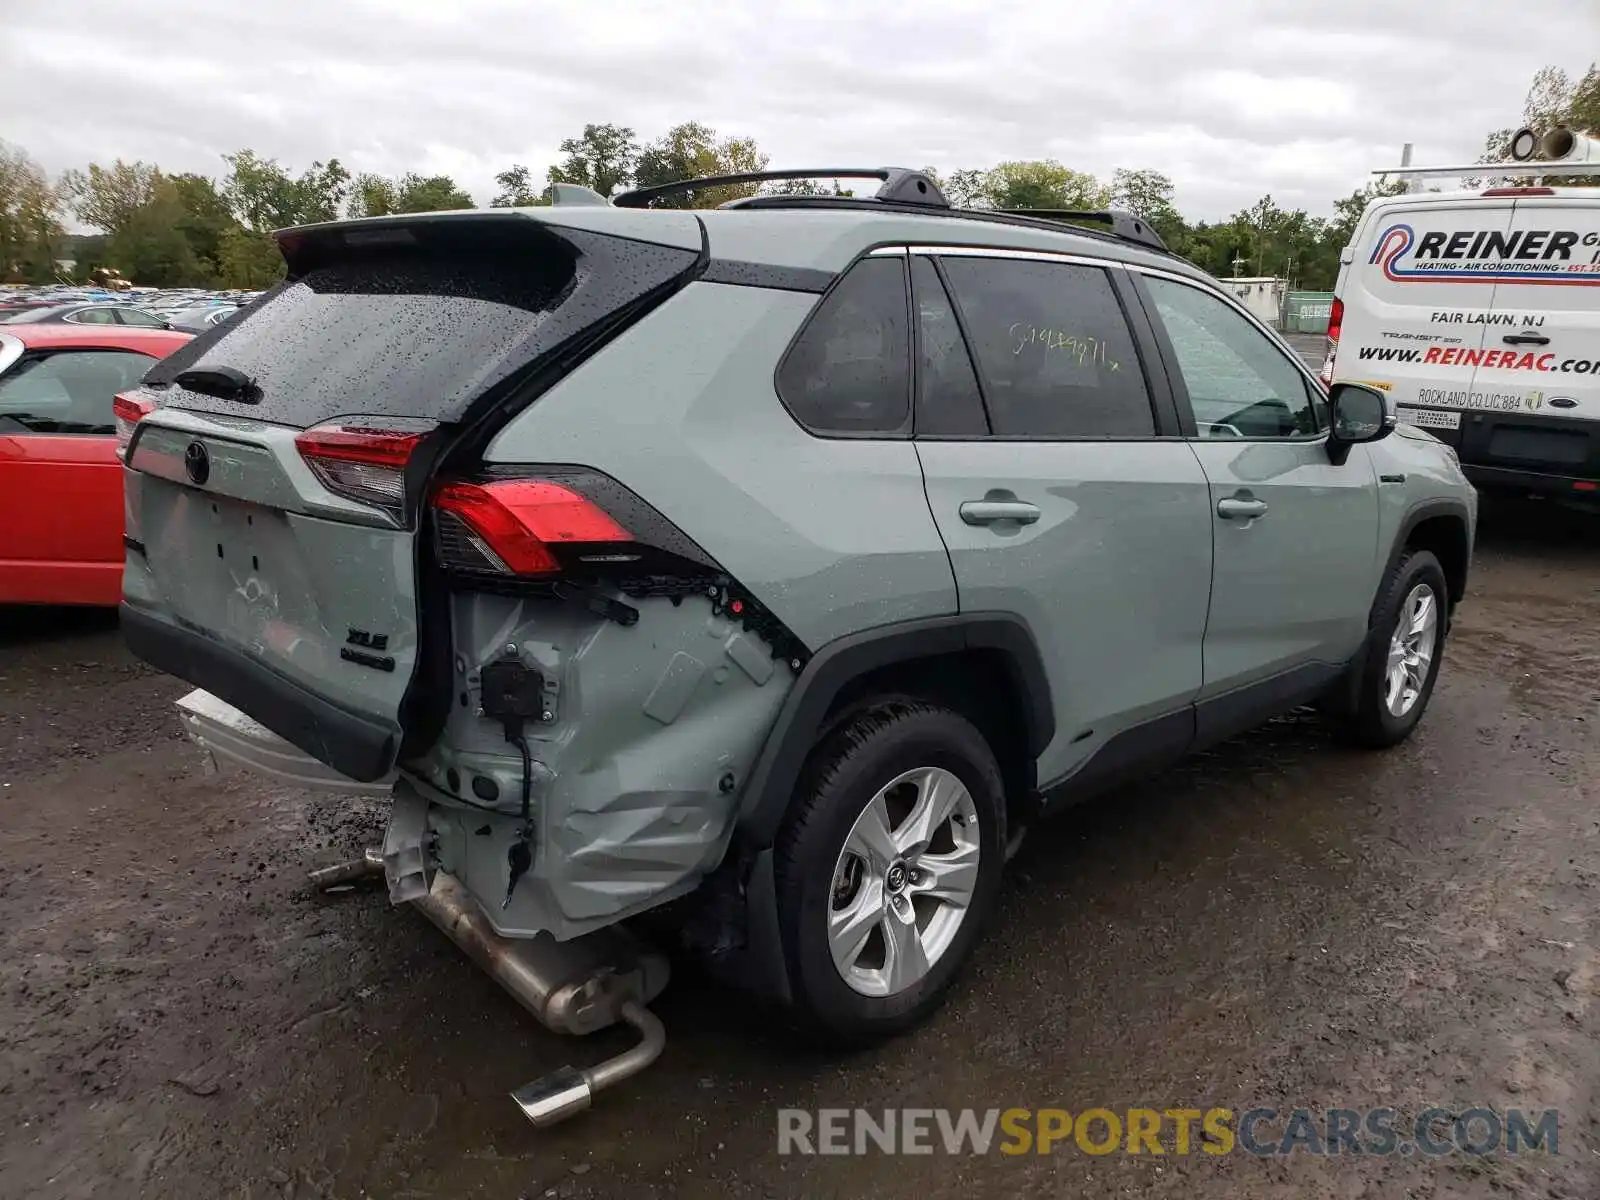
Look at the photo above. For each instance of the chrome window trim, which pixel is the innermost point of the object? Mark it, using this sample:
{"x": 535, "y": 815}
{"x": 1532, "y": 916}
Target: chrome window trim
{"x": 955, "y": 250}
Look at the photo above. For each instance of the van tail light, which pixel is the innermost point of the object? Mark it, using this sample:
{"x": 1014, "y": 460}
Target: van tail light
{"x": 128, "y": 410}
{"x": 1335, "y": 323}
{"x": 362, "y": 461}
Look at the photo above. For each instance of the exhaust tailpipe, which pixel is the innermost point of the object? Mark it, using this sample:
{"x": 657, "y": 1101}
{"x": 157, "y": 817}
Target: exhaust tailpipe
{"x": 568, "y": 1091}
{"x": 575, "y": 987}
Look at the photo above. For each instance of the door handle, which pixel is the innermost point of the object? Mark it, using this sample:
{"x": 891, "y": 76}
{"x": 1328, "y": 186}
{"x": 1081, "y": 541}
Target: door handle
{"x": 1525, "y": 339}
{"x": 987, "y": 512}
{"x": 1241, "y": 508}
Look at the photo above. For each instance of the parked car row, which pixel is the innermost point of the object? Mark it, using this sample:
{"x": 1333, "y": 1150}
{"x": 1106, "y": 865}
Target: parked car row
{"x": 192, "y": 310}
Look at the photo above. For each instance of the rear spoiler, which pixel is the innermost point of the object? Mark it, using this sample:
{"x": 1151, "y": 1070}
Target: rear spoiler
{"x": 559, "y": 228}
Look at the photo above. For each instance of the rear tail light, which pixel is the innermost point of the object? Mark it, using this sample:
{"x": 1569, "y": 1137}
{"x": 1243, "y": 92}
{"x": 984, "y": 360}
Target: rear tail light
{"x": 359, "y": 461}
{"x": 516, "y": 527}
{"x": 1521, "y": 191}
{"x": 1335, "y": 323}
{"x": 576, "y": 534}
{"x": 127, "y": 411}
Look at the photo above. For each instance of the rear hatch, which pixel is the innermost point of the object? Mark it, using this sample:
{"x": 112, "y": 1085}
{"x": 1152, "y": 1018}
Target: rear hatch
{"x": 276, "y": 465}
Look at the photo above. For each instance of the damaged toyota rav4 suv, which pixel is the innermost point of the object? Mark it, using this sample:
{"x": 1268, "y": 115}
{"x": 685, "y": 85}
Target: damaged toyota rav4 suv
{"x": 780, "y": 561}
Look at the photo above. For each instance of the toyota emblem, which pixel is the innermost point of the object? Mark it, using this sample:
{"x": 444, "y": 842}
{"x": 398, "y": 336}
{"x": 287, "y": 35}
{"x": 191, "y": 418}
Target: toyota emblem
{"x": 197, "y": 461}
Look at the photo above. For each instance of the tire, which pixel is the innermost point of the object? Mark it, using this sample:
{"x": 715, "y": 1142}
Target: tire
{"x": 1381, "y": 715}
{"x": 863, "y": 783}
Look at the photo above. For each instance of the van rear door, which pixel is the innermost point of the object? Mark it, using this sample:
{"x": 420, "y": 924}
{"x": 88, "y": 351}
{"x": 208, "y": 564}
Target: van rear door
{"x": 1536, "y": 399}
{"x": 1415, "y": 320}
{"x": 277, "y": 463}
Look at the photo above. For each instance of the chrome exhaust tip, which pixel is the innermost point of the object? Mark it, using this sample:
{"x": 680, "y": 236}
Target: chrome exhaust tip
{"x": 566, "y": 1092}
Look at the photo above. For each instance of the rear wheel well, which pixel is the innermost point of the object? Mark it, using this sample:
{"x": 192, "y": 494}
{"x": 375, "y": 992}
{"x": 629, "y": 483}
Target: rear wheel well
{"x": 980, "y": 685}
{"x": 1445, "y": 537}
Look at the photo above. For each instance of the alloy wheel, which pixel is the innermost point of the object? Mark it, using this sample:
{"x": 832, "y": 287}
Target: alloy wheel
{"x": 1411, "y": 650}
{"x": 904, "y": 881}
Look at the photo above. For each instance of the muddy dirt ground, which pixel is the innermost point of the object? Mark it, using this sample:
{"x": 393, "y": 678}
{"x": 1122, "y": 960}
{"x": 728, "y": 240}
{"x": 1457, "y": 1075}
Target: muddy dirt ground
{"x": 1282, "y": 922}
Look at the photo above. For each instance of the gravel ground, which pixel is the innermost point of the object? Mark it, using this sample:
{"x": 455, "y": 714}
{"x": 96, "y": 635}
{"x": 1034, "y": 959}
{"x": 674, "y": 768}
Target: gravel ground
{"x": 1281, "y": 922}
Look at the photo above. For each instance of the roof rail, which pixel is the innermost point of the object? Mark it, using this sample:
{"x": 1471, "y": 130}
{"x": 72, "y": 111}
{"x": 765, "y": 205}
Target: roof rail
{"x": 1124, "y": 225}
{"x": 900, "y": 185}
{"x": 1493, "y": 170}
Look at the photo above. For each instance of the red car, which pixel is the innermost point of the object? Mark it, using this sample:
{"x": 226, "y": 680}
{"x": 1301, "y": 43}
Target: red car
{"x": 60, "y": 478}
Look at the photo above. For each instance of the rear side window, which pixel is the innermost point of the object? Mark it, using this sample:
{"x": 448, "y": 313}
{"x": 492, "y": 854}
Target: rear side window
{"x": 850, "y": 369}
{"x": 1053, "y": 347}
{"x": 403, "y": 335}
{"x": 68, "y": 392}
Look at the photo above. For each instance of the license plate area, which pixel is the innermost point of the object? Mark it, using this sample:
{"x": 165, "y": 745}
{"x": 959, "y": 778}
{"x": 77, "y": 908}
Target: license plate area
{"x": 230, "y": 567}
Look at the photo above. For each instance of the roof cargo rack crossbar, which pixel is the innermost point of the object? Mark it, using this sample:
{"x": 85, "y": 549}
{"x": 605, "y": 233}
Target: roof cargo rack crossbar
{"x": 1124, "y": 225}
{"x": 1492, "y": 170}
{"x": 900, "y": 185}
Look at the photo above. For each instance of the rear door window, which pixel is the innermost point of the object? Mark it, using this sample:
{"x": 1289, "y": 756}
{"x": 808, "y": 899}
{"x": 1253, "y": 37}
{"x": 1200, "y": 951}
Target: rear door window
{"x": 1053, "y": 347}
{"x": 68, "y": 392}
{"x": 850, "y": 369}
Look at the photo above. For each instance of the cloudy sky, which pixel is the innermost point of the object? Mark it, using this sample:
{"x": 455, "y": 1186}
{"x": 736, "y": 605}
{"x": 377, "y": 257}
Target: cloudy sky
{"x": 1231, "y": 98}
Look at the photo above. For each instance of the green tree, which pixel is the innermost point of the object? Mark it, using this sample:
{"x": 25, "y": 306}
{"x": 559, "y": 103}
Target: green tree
{"x": 963, "y": 188}
{"x": 602, "y": 158}
{"x": 206, "y": 219}
{"x": 516, "y": 189}
{"x": 150, "y": 247}
{"x": 1043, "y": 184}
{"x": 248, "y": 259}
{"x": 264, "y": 196}
{"x": 108, "y": 197}
{"x": 1149, "y": 195}
{"x": 692, "y": 151}
{"x": 375, "y": 196}
{"x": 31, "y": 233}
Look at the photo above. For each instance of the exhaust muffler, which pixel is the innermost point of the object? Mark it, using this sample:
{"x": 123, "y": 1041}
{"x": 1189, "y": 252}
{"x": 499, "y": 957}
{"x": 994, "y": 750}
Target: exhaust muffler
{"x": 577, "y": 987}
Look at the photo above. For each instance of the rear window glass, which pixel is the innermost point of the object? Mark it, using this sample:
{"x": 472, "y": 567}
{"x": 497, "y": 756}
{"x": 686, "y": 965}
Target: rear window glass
{"x": 401, "y": 335}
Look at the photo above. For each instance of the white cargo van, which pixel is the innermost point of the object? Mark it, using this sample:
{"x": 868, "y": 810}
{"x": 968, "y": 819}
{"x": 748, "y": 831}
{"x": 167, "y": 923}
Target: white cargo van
{"x": 1479, "y": 314}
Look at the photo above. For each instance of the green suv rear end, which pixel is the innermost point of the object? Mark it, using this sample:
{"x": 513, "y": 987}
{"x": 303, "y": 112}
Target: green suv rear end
{"x": 766, "y": 569}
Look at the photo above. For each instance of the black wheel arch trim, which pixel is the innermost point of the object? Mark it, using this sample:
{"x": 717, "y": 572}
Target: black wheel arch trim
{"x": 834, "y": 666}
{"x": 1425, "y": 510}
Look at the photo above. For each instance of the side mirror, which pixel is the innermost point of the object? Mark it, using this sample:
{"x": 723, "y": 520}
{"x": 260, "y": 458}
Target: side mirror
{"x": 1360, "y": 414}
